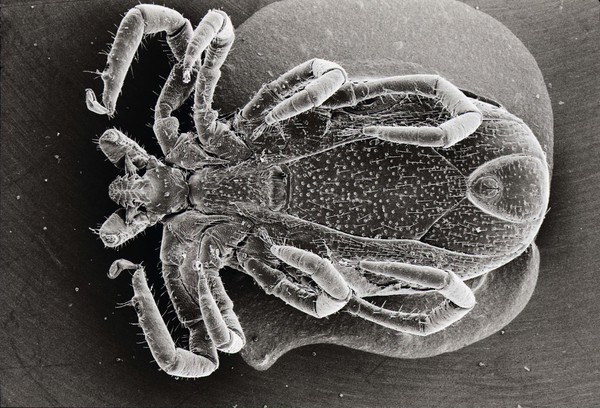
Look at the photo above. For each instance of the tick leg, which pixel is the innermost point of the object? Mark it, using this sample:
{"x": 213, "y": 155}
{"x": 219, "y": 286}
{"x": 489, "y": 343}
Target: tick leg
{"x": 198, "y": 245}
{"x": 302, "y": 88}
{"x": 139, "y": 21}
{"x": 181, "y": 149}
{"x": 200, "y": 361}
{"x": 466, "y": 120}
{"x": 172, "y": 95}
{"x": 332, "y": 296}
{"x": 217, "y": 308}
{"x": 459, "y": 299}
{"x": 213, "y": 36}
{"x": 215, "y": 137}
{"x": 181, "y": 260}
{"x": 122, "y": 151}
{"x": 115, "y": 231}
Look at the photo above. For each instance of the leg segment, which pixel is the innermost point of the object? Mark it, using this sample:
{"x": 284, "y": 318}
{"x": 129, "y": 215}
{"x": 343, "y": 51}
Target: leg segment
{"x": 332, "y": 296}
{"x": 214, "y": 36}
{"x": 183, "y": 149}
{"x": 217, "y": 308}
{"x": 201, "y": 360}
{"x": 320, "y": 79}
{"x": 466, "y": 120}
{"x": 196, "y": 246}
{"x": 173, "y": 94}
{"x": 459, "y": 299}
{"x": 121, "y": 150}
{"x": 116, "y": 231}
{"x": 139, "y": 21}
{"x": 319, "y": 269}
{"x": 202, "y": 305}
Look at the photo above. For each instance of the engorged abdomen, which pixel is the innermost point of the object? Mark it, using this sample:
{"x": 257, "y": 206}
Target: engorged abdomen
{"x": 374, "y": 189}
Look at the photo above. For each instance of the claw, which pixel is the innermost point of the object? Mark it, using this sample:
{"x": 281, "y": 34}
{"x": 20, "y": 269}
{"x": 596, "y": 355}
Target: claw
{"x": 121, "y": 265}
{"x": 115, "y": 231}
{"x": 93, "y": 104}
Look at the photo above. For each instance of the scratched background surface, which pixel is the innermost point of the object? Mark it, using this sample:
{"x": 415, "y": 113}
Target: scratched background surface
{"x": 63, "y": 343}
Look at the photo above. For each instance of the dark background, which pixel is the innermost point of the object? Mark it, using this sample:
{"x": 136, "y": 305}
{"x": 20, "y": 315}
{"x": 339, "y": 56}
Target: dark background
{"x": 63, "y": 343}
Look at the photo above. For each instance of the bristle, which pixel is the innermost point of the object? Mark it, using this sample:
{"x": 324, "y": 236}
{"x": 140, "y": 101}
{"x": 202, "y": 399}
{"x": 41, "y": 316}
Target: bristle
{"x": 121, "y": 305}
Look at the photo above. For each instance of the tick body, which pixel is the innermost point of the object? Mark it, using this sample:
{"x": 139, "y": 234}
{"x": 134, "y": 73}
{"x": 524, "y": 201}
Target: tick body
{"x": 325, "y": 190}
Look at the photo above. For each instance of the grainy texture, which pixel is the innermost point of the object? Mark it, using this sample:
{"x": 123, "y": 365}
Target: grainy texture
{"x": 58, "y": 348}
